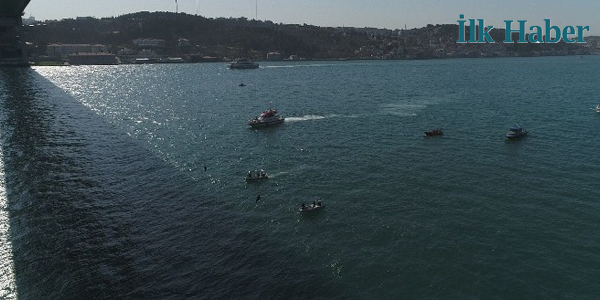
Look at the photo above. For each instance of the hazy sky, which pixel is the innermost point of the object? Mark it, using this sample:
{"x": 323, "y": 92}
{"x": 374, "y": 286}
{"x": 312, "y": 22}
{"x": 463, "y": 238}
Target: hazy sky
{"x": 389, "y": 14}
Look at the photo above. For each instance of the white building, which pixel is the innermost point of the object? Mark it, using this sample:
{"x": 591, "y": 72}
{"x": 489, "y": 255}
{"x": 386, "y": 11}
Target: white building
{"x": 274, "y": 56}
{"x": 183, "y": 42}
{"x": 29, "y": 21}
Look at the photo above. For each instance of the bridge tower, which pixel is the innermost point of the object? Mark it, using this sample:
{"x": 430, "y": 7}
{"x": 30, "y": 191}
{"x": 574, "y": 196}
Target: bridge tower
{"x": 12, "y": 45}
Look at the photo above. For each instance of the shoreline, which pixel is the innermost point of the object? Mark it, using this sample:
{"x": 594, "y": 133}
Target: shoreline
{"x": 64, "y": 64}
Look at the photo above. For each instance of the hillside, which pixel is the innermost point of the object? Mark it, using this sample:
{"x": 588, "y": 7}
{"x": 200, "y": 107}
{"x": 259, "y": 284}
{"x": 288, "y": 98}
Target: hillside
{"x": 225, "y": 38}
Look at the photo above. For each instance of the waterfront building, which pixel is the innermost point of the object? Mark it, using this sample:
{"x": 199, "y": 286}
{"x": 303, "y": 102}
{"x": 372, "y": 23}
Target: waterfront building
{"x": 149, "y": 43}
{"x": 63, "y": 50}
{"x": 274, "y": 56}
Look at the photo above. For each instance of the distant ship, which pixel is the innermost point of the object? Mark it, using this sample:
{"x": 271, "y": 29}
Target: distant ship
{"x": 266, "y": 119}
{"x": 434, "y": 132}
{"x": 243, "y": 63}
{"x": 516, "y": 132}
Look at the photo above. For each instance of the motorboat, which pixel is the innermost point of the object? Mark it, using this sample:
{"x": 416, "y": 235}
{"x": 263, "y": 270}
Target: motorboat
{"x": 434, "y": 132}
{"x": 267, "y": 118}
{"x": 598, "y": 108}
{"x": 243, "y": 63}
{"x": 316, "y": 205}
{"x": 256, "y": 175}
{"x": 516, "y": 132}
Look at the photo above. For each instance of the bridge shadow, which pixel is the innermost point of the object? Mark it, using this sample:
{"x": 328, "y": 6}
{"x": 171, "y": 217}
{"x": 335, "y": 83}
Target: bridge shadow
{"x": 94, "y": 215}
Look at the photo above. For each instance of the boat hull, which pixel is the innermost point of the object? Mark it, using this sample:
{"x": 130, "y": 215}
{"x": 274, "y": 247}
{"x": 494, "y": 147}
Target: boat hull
{"x": 243, "y": 67}
{"x": 311, "y": 208}
{"x": 266, "y": 124}
{"x": 428, "y": 133}
{"x": 257, "y": 178}
{"x": 434, "y": 132}
{"x": 515, "y": 136}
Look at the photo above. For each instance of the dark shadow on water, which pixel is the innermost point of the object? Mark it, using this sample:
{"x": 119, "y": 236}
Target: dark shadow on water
{"x": 94, "y": 215}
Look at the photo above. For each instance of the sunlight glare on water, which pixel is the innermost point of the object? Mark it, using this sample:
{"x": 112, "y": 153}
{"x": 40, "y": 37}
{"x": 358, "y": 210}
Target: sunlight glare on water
{"x": 7, "y": 276}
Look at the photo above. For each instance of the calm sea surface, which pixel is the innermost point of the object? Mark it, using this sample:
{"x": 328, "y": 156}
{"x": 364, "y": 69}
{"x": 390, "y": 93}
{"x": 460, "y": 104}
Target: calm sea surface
{"x": 103, "y": 192}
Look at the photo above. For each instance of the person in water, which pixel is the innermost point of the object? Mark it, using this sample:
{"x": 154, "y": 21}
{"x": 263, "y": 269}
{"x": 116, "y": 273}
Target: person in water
{"x": 257, "y": 198}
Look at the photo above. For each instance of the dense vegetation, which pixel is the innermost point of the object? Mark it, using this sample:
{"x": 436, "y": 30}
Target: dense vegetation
{"x": 245, "y": 36}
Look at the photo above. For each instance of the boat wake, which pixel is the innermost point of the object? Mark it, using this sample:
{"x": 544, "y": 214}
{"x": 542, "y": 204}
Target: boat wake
{"x": 278, "y": 174}
{"x": 301, "y": 66}
{"x": 306, "y": 118}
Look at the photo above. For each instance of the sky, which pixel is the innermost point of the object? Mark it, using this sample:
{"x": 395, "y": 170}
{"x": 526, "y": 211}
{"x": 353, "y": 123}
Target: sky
{"x": 390, "y": 14}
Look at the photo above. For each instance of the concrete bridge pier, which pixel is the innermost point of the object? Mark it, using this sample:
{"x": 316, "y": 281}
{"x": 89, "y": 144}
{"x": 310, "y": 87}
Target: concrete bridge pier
{"x": 12, "y": 48}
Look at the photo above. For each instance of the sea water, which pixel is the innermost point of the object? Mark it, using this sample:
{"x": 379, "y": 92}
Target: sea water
{"x": 104, "y": 192}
